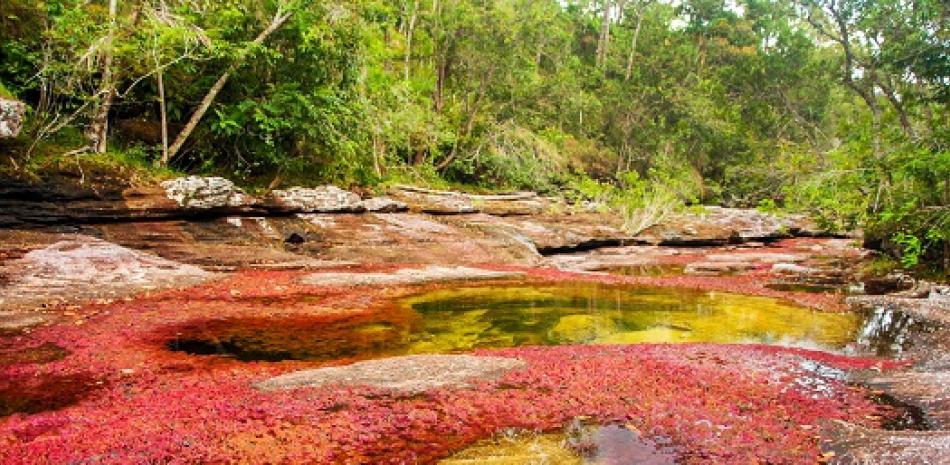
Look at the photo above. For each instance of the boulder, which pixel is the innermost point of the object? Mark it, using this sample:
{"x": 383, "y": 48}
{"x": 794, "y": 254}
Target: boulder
{"x": 410, "y": 374}
{"x": 323, "y": 199}
{"x": 935, "y": 307}
{"x": 438, "y": 202}
{"x": 206, "y": 193}
{"x": 100, "y": 201}
{"x": 408, "y": 238}
{"x": 12, "y": 114}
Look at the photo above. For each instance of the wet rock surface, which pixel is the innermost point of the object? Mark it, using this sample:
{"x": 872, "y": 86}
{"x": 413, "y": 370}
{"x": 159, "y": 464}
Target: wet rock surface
{"x": 924, "y": 385}
{"x": 29, "y": 205}
{"x": 410, "y": 374}
{"x": 185, "y": 388}
{"x": 500, "y": 228}
{"x": 578, "y": 445}
{"x": 225, "y": 244}
{"x": 847, "y": 444}
{"x": 138, "y": 238}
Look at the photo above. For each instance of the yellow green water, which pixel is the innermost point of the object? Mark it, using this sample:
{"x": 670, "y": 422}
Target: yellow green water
{"x": 485, "y": 316}
{"x": 465, "y": 318}
{"x": 577, "y": 445}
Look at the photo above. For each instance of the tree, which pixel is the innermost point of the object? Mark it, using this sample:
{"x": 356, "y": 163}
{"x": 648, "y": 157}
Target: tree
{"x": 283, "y": 13}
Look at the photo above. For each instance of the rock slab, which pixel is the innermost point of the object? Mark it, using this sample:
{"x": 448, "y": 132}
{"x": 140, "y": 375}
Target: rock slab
{"x": 384, "y": 205}
{"x": 719, "y": 225}
{"x": 408, "y": 374}
{"x": 438, "y": 202}
{"x": 849, "y": 444}
{"x": 84, "y": 268}
{"x": 407, "y": 276}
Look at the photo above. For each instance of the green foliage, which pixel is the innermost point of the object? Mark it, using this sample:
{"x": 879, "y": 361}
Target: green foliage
{"x": 911, "y": 249}
{"x": 879, "y": 266}
{"x": 694, "y": 101}
{"x": 5, "y": 93}
{"x": 768, "y": 206}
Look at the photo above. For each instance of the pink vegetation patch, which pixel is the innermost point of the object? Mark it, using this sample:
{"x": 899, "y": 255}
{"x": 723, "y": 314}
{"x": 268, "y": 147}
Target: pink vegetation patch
{"x": 141, "y": 403}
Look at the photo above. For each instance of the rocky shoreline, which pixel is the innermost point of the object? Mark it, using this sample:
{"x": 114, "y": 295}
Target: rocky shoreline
{"x": 61, "y": 247}
{"x": 924, "y": 385}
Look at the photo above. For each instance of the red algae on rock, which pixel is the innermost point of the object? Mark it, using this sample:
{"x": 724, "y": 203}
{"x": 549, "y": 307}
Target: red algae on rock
{"x": 717, "y": 404}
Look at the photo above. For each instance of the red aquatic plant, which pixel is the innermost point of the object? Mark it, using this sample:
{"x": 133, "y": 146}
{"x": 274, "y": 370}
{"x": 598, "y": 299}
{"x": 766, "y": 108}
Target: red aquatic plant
{"x": 138, "y": 402}
{"x": 718, "y": 404}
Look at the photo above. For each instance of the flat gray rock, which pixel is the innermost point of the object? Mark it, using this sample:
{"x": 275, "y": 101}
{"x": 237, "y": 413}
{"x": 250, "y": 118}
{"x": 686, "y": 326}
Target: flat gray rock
{"x": 408, "y": 374}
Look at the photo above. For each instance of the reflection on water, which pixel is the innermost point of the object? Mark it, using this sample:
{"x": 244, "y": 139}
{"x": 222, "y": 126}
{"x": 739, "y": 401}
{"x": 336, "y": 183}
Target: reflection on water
{"x": 646, "y": 270}
{"x": 577, "y": 445}
{"x": 296, "y": 338}
{"x": 887, "y": 332}
{"x": 465, "y": 318}
{"x": 32, "y": 394}
{"x": 806, "y": 287}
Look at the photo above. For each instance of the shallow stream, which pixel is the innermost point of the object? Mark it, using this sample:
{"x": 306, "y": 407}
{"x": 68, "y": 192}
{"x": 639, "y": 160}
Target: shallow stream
{"x": 469, "y": 317}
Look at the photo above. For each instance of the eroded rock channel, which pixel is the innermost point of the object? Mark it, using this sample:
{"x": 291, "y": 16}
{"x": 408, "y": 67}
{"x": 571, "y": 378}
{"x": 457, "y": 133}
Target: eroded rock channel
{"x": 317, "y": 326}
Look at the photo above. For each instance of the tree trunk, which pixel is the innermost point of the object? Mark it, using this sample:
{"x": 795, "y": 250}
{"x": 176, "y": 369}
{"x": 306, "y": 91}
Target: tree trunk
{"x": 279, "y": 19}
{"x": 633, "y": 44}
{"x": 376, "y": 153}
{"x": 410, "y": 28}
{"x": 470, "y": 124}
{"x": 898, "y": 106}
{"x": 439, "y": 83}
{"x": 602, "y": 42}
{"x": 164, "y": 115}
{"x": 443, "y": 71}
{"x": 98, "y": 129}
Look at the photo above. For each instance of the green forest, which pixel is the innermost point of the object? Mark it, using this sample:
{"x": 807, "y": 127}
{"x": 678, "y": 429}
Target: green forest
{"x": 836, "y": 108}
